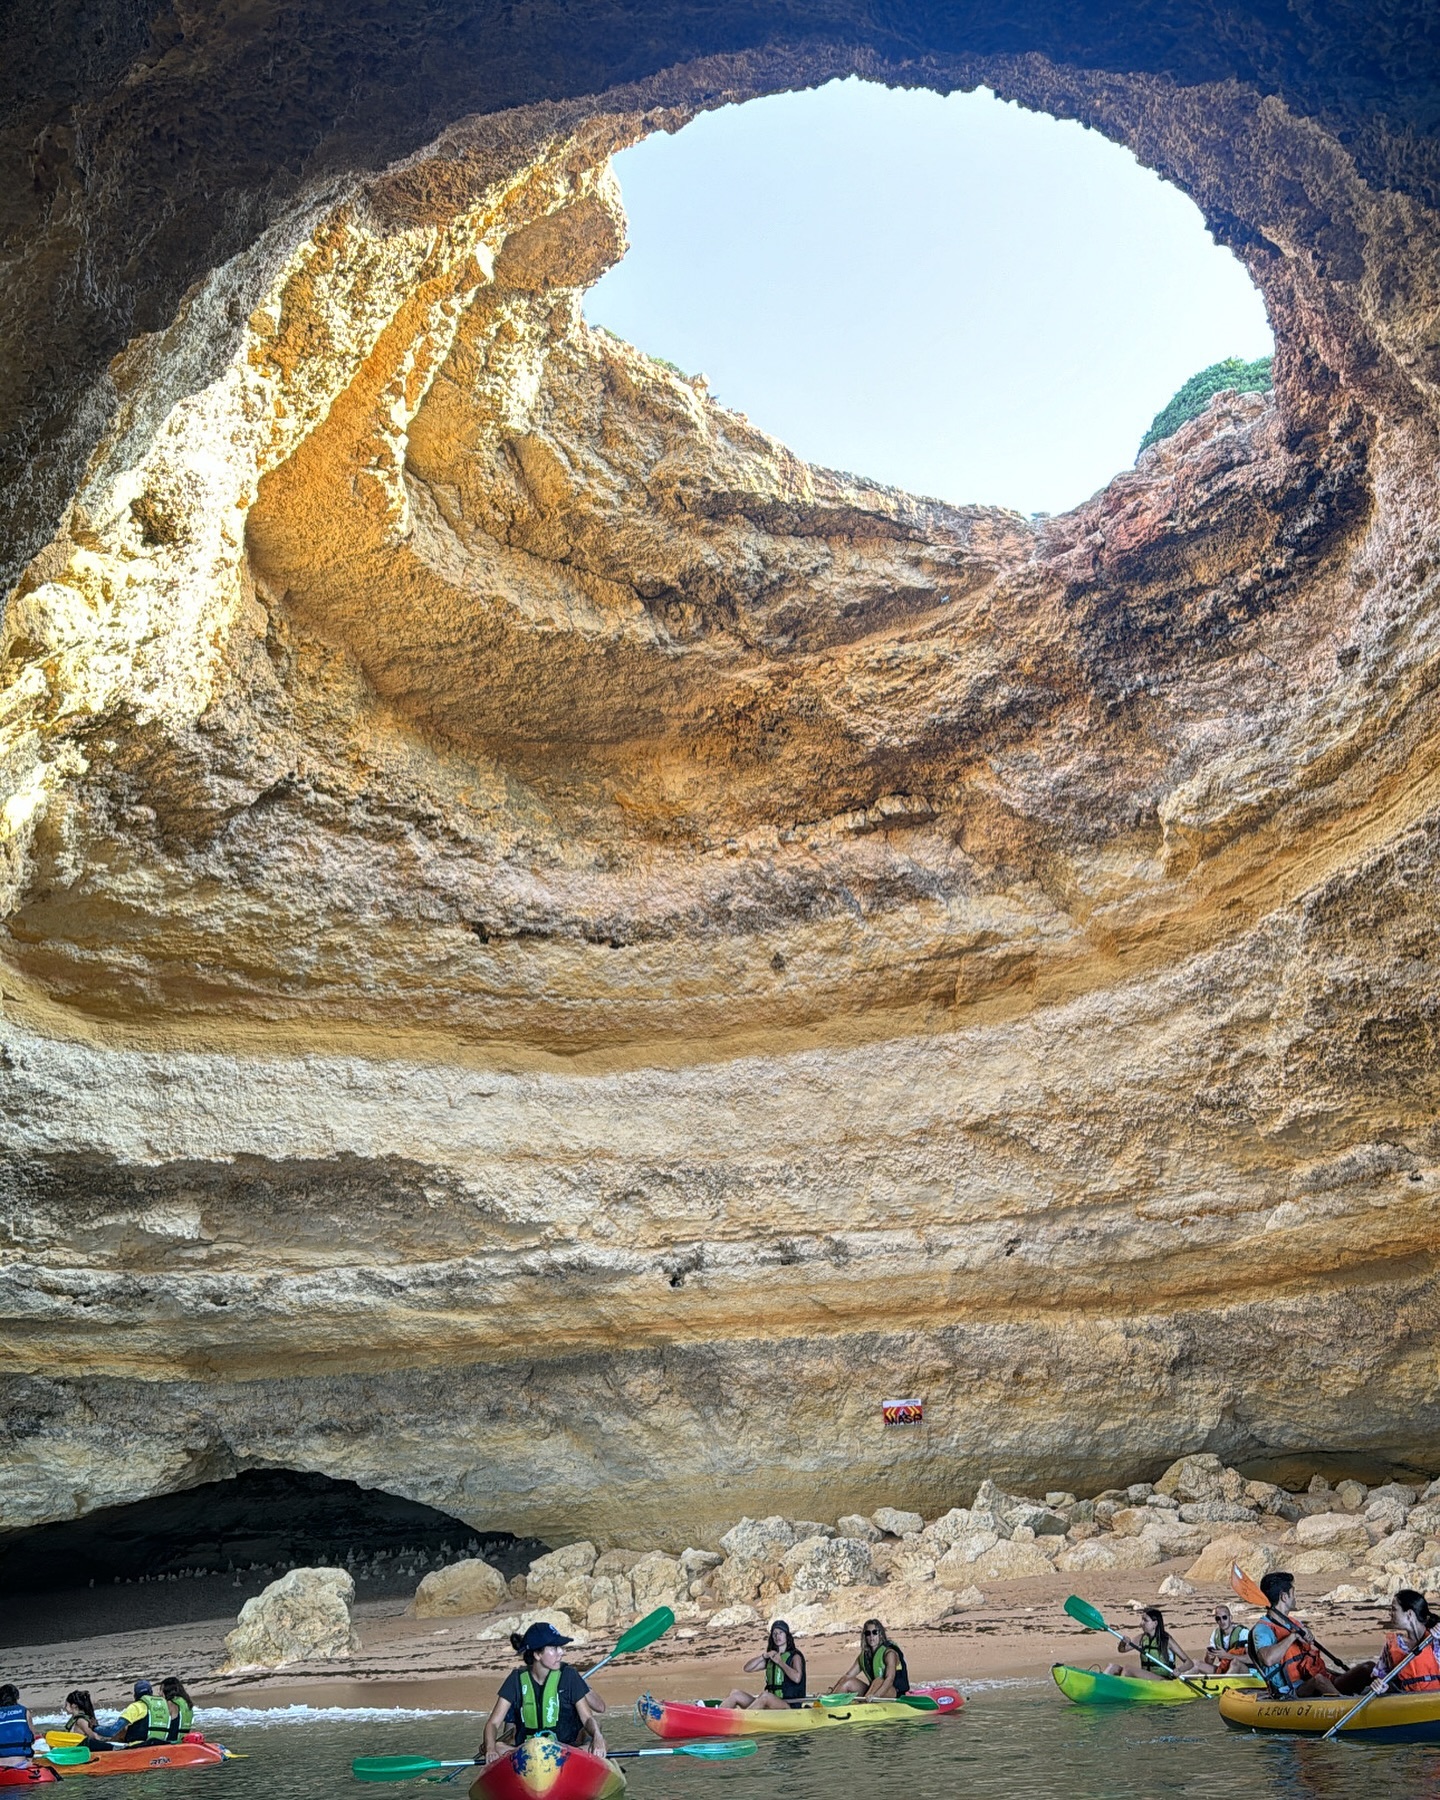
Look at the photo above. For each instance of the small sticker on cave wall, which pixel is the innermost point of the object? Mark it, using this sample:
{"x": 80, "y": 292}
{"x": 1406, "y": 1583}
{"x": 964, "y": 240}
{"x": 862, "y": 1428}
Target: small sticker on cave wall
{"x": 903, "y": 1412}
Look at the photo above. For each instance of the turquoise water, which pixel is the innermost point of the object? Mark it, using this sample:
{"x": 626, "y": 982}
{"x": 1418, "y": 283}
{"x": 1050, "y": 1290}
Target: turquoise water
{"x": 1021, "y": 1742}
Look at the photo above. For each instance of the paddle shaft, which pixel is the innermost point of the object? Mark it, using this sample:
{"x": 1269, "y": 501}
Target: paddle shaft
{"x": 1155, "y": 1663}
{"x": 1374, "y": 1693}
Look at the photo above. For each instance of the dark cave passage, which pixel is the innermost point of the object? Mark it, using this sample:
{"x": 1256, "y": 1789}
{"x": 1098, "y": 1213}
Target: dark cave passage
{"x": 202, "y": 1553}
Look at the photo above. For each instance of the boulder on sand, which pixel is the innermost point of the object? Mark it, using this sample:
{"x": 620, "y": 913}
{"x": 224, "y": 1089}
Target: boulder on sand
{"x": 759, "y": 1540}
{"x": 302, "y": 1617}
{"x": 1333, "y": 1531}
{"x": 1213, "y": 1564}
{"x": 1193, "y": 1478}
{"x": 823, "y": 1563}
{"x": 472, "y": 1586}
{"x": 1010, "y": 1561}
{"x": 1109, "y": 1553}
{"x": 657, "y": 1581}
{"x": 547, "y": 1575}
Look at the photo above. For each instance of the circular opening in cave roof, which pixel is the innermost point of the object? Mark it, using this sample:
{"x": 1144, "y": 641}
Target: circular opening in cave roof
{"x": 949, "y": 294}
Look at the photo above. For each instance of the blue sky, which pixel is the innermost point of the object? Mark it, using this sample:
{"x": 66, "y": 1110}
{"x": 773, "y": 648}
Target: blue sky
{"x": 952, "y": 295}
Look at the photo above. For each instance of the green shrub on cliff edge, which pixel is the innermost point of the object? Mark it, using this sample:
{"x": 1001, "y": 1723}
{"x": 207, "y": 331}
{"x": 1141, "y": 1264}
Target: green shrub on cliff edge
{"x": 1191, "y": 401}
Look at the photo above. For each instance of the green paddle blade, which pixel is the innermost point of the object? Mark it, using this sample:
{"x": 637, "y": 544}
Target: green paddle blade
{"x": 720, "y": 1749}
{"x": 645, "y": 1631}
{"x": 397, "y": 1768}
{"x": 69, "y": 1756}
{"x": 1089, "y": 1616}
{"x": 920, "y": 1702}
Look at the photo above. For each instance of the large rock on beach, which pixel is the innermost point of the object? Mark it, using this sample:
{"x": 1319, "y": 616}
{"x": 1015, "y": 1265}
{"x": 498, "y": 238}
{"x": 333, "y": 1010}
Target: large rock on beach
{"x": 521, "y": 1622}
{"x": 823, "y": 1563}
{"x": 1212, "y": 1566}
{"x": 759, "y": 1540}
{"x": 1110, "y": 1553}
{"x": 549, "y": 1574}
{"x": 302, "y": 1617}
{"x": 472, "y": 1586}
{"x": 895, "y": 1523}
{"x": 1333, "y": 1531}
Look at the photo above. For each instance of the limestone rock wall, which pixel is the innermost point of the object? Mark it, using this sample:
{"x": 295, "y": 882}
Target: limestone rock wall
{"x": 555, "y": 955}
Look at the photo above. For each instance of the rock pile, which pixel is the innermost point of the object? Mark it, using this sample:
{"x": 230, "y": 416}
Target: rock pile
{"x": 911, "y": 1573}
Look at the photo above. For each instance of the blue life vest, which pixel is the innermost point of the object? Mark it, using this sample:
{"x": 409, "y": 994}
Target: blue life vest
{"x": 16, "y": 1738}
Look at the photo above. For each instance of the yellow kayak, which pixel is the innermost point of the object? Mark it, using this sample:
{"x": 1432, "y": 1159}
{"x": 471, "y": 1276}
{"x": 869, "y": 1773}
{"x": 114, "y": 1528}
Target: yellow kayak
{"x": 1389, "y": 1719}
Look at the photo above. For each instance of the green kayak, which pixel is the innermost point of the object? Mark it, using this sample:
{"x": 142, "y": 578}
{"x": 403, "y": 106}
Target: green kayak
{"x": 1089, "y": 1687}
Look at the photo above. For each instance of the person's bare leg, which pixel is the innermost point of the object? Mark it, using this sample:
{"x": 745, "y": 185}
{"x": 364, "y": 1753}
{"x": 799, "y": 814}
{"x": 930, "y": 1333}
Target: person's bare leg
{"x": 852, "y": 1684}
{"x": 767, "y": 1702}
{"x": 738, "y": 1697}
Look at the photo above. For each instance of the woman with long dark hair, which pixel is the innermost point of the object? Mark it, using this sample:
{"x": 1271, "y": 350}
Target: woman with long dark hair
{"x": 181, "y": 1707}
{"x": 784, "y": 1668}
{"x": 80, "y": 1709}
{"x": 1161, "y": 1658}
{"x": 879, "y": 1672}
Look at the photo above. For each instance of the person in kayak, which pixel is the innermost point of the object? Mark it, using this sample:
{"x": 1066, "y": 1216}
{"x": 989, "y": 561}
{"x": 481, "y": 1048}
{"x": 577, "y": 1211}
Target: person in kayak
{"x": 153, "y": 1718}
{"x": 1161, "y": 1658}
{"x": 784, "y": 1668}
{"x": 1227, "y": 1653}
{"x": 80, "y": 1710}
{"x": 1413, "y": 1625}
{"x": 546, "y": 1695}
{"x": 1282, "y": 1650}
{"x": 180, "y": 1707}
{"x": 879, "y": 1671}
{"x": 17, "y": 1730}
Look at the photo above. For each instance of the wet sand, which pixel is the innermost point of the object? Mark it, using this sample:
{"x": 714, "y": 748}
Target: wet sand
{"x": 432, "y": 1663}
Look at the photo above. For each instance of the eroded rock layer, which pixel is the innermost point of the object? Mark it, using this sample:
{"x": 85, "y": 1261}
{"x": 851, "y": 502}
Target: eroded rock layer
{"x": 556, "y": 955}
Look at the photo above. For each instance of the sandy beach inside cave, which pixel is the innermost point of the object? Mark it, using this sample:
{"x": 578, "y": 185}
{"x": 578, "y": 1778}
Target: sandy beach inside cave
{"x": 442, "y": 1664}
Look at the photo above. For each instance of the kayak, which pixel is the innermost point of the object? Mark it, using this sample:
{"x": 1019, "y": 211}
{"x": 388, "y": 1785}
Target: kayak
{"x": 27, "y": 1777}
{"x": 671, "y": 1719}
{"x": 947, "y": 1698}
{"x": 1389, "y": 1719}
{"x": 542, "y": 1768}
{"x": 1091, "y": 1687}
{"x": 137, "y": 1757}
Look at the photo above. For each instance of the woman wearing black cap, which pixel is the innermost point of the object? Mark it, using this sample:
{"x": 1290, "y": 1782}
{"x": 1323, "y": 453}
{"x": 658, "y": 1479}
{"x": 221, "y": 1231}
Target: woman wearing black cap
{"x": 545, "y": 1695}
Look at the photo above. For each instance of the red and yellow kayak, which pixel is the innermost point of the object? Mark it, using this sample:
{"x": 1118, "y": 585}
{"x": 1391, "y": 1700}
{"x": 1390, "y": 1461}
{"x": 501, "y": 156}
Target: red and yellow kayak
{"x": 137, "y": 1757}
{"x": 674, "y": 1719}
{"x": 543, "y": 1769}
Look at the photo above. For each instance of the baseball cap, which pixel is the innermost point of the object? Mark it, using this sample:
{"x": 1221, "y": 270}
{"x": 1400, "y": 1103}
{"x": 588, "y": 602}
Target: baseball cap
{"x": 540, "y": 1636}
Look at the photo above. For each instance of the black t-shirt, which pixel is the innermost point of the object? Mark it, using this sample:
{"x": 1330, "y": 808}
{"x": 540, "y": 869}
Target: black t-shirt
{"x": 572, "y": 1690}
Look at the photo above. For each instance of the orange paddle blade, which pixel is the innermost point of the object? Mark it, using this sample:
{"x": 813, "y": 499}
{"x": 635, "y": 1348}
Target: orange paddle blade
{"x": 1248, "y": 1590}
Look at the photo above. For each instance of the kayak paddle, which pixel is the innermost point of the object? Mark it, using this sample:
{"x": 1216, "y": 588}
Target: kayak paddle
{"x": 400, "y": 1768}
{"x": 920, "y": 1702}
{"x": 1253, "y": 1594}
{"x": 642, "y": 1633}
{"x": 1094, "y": 1620}
{"x": 1380, "y": 1686}
{"x": 68, "y": 1756}
{"x": 715, "y": 1749}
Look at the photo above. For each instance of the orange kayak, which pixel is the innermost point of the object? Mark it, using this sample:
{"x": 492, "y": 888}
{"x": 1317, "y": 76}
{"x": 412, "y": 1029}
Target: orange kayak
{"x": 137, "y": 1757}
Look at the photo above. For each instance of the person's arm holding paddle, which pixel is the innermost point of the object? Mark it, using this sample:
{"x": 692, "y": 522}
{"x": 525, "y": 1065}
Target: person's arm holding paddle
{"x": 499, "y": 1718}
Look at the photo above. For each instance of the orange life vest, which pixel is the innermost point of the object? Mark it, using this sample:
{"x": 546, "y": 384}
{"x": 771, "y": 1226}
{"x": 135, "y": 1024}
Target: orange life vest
{"x": 1423, "y": 1675}
{"x": 1299, "y": 1661}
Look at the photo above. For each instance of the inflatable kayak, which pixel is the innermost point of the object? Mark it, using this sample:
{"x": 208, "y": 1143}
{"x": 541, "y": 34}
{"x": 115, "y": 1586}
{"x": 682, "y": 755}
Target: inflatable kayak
{"x": 136, "y": 1757}
{"x": 27, "y": 1777}
{"x": 1390, "y": 1719}
{"x": 542, "y": 1768}
{"x": 1091, "y": 1687}
{"x": 672, "y": 1719}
